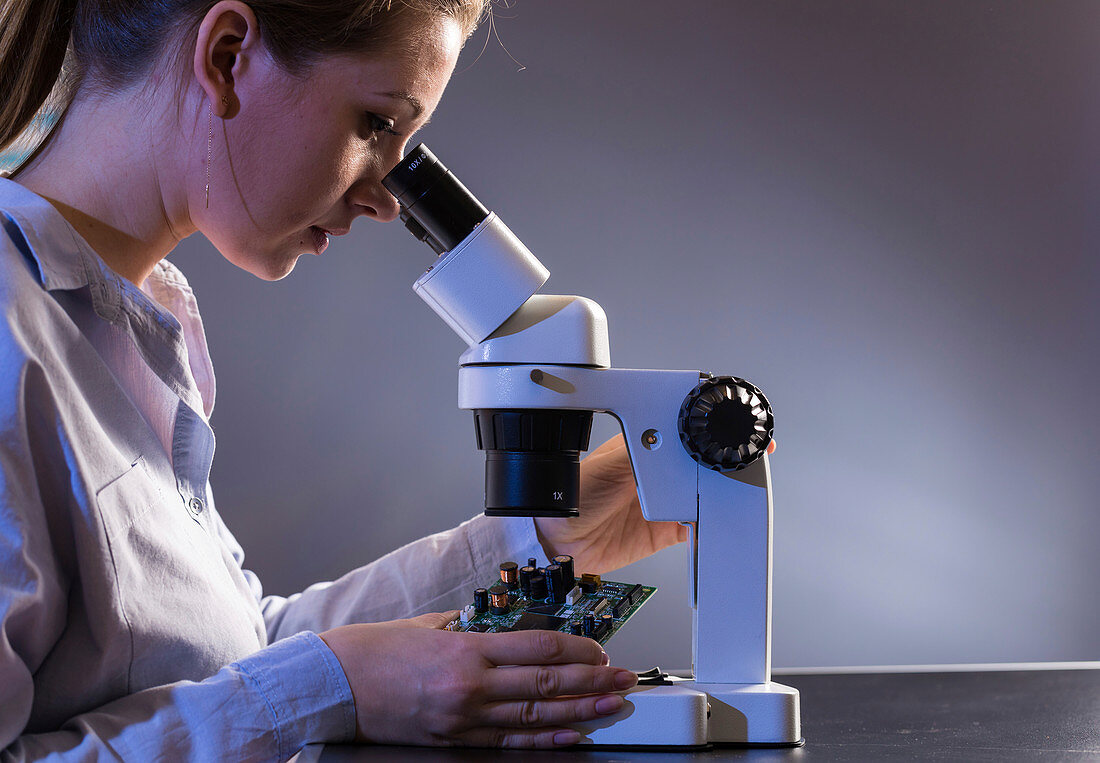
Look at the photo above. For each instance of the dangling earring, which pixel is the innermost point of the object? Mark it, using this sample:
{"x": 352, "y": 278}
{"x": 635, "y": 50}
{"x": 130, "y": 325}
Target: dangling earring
{"x": 210, "y": 145}
{"x": 209, "y": 151}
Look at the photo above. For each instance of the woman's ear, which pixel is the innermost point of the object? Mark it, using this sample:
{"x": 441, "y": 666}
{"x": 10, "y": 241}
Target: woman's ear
{"x": 227, "y": 41}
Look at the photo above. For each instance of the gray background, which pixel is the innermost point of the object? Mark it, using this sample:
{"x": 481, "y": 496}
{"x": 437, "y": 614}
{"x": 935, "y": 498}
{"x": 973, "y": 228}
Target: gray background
{"x": 881, "y": 212}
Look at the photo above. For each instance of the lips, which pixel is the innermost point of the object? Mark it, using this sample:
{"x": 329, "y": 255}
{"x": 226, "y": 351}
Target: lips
{"x": 320, "y": 239}
{"x": 321, "y": 235}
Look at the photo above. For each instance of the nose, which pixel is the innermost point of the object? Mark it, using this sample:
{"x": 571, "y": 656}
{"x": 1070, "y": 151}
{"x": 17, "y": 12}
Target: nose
{"x": 369, "y": 197}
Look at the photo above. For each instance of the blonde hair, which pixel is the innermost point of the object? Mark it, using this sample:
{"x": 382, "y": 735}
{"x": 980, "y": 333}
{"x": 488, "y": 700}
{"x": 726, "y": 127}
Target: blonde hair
{"x": 116, "y": 42}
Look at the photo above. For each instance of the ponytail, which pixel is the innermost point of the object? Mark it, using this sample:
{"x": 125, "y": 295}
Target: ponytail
{"x": 34, "y": 35}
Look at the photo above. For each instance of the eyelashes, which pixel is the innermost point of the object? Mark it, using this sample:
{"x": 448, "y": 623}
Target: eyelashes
{"x": 377, "y": 123}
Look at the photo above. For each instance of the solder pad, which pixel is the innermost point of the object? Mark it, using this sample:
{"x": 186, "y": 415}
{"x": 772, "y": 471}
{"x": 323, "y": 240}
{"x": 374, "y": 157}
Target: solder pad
{"x": 623, "y": 600}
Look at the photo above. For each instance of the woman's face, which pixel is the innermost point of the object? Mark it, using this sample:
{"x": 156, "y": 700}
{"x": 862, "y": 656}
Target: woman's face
{"x": 303, "y": 157}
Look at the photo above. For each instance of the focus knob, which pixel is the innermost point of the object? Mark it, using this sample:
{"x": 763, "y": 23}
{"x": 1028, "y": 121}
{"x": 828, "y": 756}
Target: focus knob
{"x": 726, "y": 423}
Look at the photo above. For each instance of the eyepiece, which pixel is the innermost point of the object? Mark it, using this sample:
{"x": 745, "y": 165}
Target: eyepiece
{"x": 435, "y": 206}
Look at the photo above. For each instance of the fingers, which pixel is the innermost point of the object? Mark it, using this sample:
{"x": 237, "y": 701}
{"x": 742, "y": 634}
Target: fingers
{"x": 553, "y": 712}
{"x": 539, "y": 648}
{"x": 548, "y": 681}
{"x": 771, "y": 447}
{"x": 523, "y": 738}
{"x": 436, "y": 620}
{"x": 610, "y": 444}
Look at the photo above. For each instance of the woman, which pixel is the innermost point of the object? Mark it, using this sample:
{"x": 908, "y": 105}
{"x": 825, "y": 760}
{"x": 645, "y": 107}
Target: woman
{"x": 127, "y": 625}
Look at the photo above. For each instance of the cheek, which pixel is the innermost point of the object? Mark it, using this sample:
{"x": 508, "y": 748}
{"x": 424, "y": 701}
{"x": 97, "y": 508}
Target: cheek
{"x": 287, "y": 172}
{"x": 277, "y": 180}
{"x": 321, "y": 174}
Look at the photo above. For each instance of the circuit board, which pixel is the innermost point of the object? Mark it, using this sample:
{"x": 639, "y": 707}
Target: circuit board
{"x": 590, "y": 607}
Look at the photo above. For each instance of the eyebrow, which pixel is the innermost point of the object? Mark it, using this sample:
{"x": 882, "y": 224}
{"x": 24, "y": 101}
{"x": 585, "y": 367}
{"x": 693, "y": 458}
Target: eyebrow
{"x": 412, "y": 100}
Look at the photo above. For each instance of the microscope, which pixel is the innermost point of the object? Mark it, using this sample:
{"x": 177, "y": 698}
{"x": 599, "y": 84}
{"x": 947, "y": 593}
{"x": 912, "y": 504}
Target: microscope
{"x": 536, "y": 369}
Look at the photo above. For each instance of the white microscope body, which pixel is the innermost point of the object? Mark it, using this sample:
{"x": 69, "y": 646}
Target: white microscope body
{"x": 535, "y": 351}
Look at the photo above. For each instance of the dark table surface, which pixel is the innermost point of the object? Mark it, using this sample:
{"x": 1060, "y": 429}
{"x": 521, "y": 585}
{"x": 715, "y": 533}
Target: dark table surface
{"x": 972, "y": 715}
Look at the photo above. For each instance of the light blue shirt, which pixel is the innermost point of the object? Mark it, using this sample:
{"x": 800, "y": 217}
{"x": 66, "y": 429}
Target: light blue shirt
{"x": 128, "y": 626}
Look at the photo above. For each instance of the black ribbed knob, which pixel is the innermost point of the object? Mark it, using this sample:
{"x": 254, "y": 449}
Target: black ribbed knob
{"x": 726, "y": 423}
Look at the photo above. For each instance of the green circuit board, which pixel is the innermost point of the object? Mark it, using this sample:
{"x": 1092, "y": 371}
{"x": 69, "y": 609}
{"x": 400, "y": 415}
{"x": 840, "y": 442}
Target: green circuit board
{"x": 605, "y": 597}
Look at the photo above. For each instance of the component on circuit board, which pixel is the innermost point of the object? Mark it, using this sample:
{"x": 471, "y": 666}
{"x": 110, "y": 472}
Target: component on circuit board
{"x": 481, "y": 599}
{"x": 555, "y": 579}
{"x": 525, "y": 575}
{"x": 498, "y": 600}
{"x": 566, "y": 563}
{"x": 590, "y": 582}
{"x": 539, "y": 588}
{"x": 508, "y": 574}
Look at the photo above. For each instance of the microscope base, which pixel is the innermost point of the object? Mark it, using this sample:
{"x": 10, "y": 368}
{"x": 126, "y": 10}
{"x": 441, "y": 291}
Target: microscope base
{"x": 677, "y": 716}
{"x": 752, "y": 713}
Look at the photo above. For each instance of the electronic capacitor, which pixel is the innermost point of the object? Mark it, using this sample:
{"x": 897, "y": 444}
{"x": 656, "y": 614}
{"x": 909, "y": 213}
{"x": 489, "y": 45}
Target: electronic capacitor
{"x": 532, "y": 561}
{"x": 508, "y": 574}
{"x": 555, "y": 580}
{"x": 525, "y": 575}
{"x": 498, "y": 599}
{"x": 538, "y": 587}
{"x": 566, "y": 563}
{"x": 481, "y": 599}
{"x": 589, "y": 627}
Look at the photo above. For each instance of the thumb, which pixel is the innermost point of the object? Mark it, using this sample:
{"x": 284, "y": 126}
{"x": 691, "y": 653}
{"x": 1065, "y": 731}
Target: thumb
{"x": 436, "y": 620}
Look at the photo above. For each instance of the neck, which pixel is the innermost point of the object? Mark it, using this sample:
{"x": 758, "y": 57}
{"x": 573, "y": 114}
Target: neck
{"x": 111, "y": 170}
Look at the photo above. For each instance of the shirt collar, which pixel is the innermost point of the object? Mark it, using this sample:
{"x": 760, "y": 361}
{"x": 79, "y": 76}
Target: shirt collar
{"x": 65, "y": 261}
{"x": 61, "y": 255}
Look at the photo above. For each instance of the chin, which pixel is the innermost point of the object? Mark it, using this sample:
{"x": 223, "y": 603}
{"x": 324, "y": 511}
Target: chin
{"x": 269, "y": 267}
{"x": 275, "y": 271}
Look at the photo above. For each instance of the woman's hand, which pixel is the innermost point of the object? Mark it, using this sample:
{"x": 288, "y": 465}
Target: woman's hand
{"x": 416, "y": 684}
{"x": 610, "y": 531}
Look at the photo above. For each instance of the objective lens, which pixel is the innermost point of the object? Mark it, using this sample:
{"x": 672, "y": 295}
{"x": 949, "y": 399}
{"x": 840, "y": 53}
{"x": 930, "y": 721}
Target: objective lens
{"x": 532, "y": 460}
{"x": 435, "y": 206}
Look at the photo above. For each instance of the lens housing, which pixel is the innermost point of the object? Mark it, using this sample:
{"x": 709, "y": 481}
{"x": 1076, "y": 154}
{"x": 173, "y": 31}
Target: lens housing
{"x": 532, "y": 460}
{"x": 435, "y": 206}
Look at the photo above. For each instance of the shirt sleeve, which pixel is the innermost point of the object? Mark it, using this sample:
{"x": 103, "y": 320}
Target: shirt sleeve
{"x": 434, "y": 574}
{"x": 264, "y": 707}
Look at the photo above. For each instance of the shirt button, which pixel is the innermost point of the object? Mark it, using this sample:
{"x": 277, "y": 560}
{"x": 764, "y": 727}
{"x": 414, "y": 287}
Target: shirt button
{"x": 195, "y": 506}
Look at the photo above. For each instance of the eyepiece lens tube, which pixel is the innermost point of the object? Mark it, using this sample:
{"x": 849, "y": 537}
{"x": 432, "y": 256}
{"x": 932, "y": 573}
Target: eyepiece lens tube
{"x": 532, "y": 460}
{"x": 435, "y": 206}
